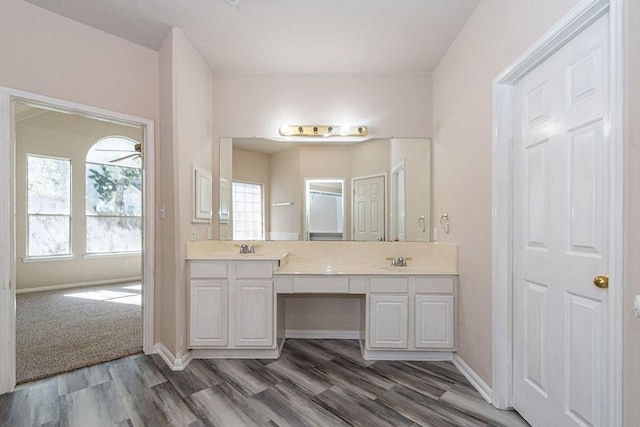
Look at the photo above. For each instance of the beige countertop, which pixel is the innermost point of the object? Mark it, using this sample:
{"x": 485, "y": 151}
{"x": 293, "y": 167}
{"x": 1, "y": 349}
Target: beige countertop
{"x": 335, "y": 258}
{"x": 237, "y": 256}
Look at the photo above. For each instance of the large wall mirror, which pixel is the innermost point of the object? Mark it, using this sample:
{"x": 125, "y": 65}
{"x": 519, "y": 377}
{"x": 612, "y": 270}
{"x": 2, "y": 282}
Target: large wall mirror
{"x": 373, "y": 190}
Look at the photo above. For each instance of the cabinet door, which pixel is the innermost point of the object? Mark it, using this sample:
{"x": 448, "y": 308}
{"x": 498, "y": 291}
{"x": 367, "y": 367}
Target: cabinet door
{"x": 388, "y": 321}
{"x": 208, "y": 315}
{"x": 254, "y": 313}
{"x": 434, "y": 321}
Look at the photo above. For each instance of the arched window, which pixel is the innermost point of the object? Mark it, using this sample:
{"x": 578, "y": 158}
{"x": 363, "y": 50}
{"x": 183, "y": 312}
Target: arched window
{"x": 114, "y": 196}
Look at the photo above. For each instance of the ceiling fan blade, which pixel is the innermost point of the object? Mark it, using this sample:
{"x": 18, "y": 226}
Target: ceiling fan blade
{"x": 125, "y": 157}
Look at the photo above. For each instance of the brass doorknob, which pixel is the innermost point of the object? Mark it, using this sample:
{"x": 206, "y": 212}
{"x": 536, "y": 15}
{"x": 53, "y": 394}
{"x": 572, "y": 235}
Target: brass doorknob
{"x": 601, "y": 281}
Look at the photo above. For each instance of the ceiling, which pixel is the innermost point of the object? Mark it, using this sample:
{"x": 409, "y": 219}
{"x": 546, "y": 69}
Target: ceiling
{"x": 303, "y": 36}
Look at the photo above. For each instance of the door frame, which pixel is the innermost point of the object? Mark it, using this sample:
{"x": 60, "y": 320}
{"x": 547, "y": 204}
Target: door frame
{"x": 394, "y": 216}
{"x": 7, "y": 215}
{"x": 579, "y": 18}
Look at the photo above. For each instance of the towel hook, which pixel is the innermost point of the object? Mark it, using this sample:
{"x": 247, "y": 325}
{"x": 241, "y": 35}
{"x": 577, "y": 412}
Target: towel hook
{"x": 422, "y": 224}
{"x": 444, "y": 223}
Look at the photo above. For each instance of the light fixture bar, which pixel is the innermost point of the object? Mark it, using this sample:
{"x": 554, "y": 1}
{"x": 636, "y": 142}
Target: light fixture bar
{"x": 322, "y": 131}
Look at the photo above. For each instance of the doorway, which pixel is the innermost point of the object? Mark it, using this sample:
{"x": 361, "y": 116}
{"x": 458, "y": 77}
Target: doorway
{"x": 557, "y": 188}
{"x": 9, "y": 254}
{"x": 324, "y": 209}
{"x": 369, "y": 208}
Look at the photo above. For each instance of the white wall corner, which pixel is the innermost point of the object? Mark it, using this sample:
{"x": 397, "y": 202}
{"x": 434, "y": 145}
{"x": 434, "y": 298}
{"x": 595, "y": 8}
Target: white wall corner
{"x": 475, "y": 380}
{"x": 176, "y": 364}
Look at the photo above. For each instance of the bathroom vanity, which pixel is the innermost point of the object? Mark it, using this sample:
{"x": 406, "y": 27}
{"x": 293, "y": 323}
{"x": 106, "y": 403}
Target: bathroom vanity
{"x": 237, "y": 301}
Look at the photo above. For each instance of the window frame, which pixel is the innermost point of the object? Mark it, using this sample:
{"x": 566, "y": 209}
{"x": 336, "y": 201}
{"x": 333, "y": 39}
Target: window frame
{"x": 140, "y": 217}
{"x": 58, "y": 257}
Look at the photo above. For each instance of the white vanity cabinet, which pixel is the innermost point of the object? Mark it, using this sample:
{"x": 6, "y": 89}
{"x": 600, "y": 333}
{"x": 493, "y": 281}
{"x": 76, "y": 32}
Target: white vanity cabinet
{"x": 253, "y": 304}
{"x": 388, "y": 312}
{"x": 410, "y": 313}
{"x": 232, "y": 305}
{"x": 434, "y": 313}
{"x": 208, "y": 304}
{"x": 389, "y": 320}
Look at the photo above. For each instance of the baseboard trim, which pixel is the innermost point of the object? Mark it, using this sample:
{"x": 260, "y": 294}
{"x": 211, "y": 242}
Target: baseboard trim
{"x": 321, "y": 334}
{"x": 78, "y": 285}
{"x": 235, "y": 353}
{"x": 391, "y": 355}
{"x": 475, "y": 380}
{"x": 176, "y": 364}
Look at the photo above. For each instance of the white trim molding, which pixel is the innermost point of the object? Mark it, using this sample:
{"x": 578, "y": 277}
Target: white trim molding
{"x": 475, "y": 380}
{"x": 78, "y": 285}
{"x": 579, "y": 18}
{"x": 7, "y": 213}
{"x": 175, "y": 363}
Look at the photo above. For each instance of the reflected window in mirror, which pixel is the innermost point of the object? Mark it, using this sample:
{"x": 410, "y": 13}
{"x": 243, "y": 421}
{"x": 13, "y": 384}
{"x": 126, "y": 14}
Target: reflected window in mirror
{"x": 248, "y": 211}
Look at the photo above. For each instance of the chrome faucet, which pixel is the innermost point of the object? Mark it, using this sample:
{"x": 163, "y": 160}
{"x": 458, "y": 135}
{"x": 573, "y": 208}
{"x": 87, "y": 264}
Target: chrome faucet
{"x": 246, "y": 249}
{"x": 399, "y": 262}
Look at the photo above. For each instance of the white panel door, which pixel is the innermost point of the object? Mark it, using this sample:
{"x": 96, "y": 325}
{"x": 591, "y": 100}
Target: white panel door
{"x": 368, "y": 209}
{"x": 208, "y": 314}
{"x": 434, "y": 321}
{"x": 561, "y": 228}
{"x": 388, "y": 321}
{"x": 253, "y": 313}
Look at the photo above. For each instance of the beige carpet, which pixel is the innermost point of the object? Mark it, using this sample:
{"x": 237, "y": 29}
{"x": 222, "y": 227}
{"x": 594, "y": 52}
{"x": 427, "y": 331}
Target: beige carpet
{"x": 63, "y": 330}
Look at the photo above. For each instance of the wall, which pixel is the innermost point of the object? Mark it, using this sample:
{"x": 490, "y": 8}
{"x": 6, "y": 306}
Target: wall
{"x": 47, "y": 54}
{"x": 186, "y": 141}
{"x": 286, "y": 188}
{"x": 248, "y": 105}
{"x": 632, "y": 219}
{"x": 415, "y": 153}
{"x": 67, "y": 136}
{"x": 494, "y": 36}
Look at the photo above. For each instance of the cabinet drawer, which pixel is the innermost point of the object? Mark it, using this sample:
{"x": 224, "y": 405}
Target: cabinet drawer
{"x": 434, "y": 285}
{"x": 254, "y": 270}
{"x": 358, "y": 285}
{"x": 321, "y": 285}
{"x": 208, "y": 269}
{"x": 284, "y": 285}
{"x": 389, "y": 284}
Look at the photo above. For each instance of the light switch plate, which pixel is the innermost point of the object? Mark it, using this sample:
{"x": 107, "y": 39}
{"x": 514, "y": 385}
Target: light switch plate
{"x": 636, "y": 306}
{"x": 193, "y": 234}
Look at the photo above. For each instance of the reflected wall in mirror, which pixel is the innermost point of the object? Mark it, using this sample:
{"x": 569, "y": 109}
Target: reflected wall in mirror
{"x": 397, "y": 170}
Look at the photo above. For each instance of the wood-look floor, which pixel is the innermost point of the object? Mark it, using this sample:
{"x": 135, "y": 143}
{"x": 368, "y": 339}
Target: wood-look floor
{"x": 313, "y": 383}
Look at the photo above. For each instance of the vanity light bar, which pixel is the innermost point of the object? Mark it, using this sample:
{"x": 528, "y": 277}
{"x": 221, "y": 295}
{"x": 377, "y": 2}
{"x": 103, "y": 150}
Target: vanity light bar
{"x": 322, "y": 131}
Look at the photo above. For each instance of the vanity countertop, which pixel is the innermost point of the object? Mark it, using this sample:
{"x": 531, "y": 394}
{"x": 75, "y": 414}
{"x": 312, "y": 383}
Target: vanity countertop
{"x": 237, "y": 256}
{"x": 309, "y": 268}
